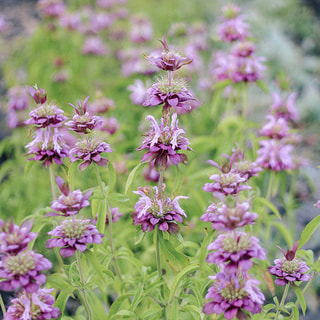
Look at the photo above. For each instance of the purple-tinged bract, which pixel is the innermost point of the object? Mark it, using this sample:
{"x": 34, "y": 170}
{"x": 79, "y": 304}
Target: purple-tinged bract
{"x": 35, "y": 306}
{"x": 13, "y": 238}
{"x": 172, "y": 94}
{"x": 23, "y": 270}
{"x": 162, "y": 143}
{"x": 276, "y": 128}
{"x": 289, "y": 269}
{"x": 275, "y": 155}
{"x": 226, "y": 216}
{"x": 286, "y": 109}
{"x": 70, "y": 202}
{"x": 46, "y": 115}
{"x": 152, "y": 210}
{"x": 82, "y": 121}
{"x": 232, "y": 294}
{"x": 234, "y": 250}
{"x": 38, "y": 95}
{"x": 168, "y": 60}
{"x": 90, "y": 151}
{"x": 74, "y": 235}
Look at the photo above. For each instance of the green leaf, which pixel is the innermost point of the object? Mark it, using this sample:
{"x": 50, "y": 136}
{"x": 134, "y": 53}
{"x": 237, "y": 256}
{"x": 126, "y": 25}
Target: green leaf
{"x": 137, "y": 297}
{"x": 97, "y": 308}
{"x": 222, "y": 84}
{"x": 71, "y": 173}
{"x": 118, "y": 197}
{"x": 95, "y": 262}
{"x": 102, "y": 215}
{"x": 308, "y": 231}
{"x": 173, "y": 310}
{"x": 262, "y": 85}
{"x": 112, "y": 177}
{"x": 133, "y": 175}
{"x": 61, "y": 301}
{"x": 56, "y": 280}
{"x": 126, "y": 313}
{"x": 28, "y": 167}
{"x": 176, "y": 260}
{"x": 285, "y": 232}
{"x": 204, "y": 245}
{"x": 177, "y": 181}
{"x": 269, "y": 205}
{"x": 301, "y": 299}
{"x": 188, "y": 269}
{"x": 116, "y": 304}
{"x": 152, "y": 312}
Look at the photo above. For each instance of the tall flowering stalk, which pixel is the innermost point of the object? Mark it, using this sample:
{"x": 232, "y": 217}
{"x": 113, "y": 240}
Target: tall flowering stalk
{"x": 233, "y": 292}
{"x": 164, "y": 144}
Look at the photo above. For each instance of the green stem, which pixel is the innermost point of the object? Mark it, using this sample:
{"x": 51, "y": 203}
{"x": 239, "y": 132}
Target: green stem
{"x": 116, "y": 265}
{"x": 82, "y": 290}
{"x": 52, "y": 181}
{"x": 160, "y": 183}
{"x": 284, "y": 296}
{"x": 3, "y": 308}
{"x": 244, "y": 100}
{"x": 270, "y": 185}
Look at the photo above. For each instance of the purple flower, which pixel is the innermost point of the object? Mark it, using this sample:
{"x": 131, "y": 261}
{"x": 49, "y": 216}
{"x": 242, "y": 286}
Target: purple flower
{"x": 110, "y": 125}
{"x": 228, "y": 182}
{"x": 23, "y": 270}
{"x": 172, "y": 94}
{"x": 38, "y": 95}
{"x": 82, "y": 121}
{"x": 115, "y": 214}
{"x": 138, "y": 92}
{"x": 231, "y": 294}
{"x": 90, "y": 151}
{"x": 162, "y": 143}
{"x": 141, "y": 30}
{"x": 243, "y": 49}
{"x": 234, "y": 250}
{"x": 70, "y": 21}
{"x": 168, "y": 60}
{"x": 46, "y": 115}
{"x": 69, "y": 203}
{"x": 275, "y": 155}
{"x": 285, "y": 109}
{"x": 229, "y": 216}
{"x": 152, "y": 210}
{"x": 150, "y": 173}
{"x": 101, "y": 104}
{"x": 3, "y": 24}
{"x": 35, "y": 306}
{"x": 73, "y": 235}
{"x": 47, "y": 147}
{"x": 276, "y": 128}
{"x": 18, "y": 99}
{"x": 289, "y": 269}
{"x": 14, "y": 239}
{"x": 94, "y": 46}
{"x": 51, "y": 8}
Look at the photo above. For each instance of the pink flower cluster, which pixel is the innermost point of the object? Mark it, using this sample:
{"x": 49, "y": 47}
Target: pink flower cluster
{"x": 233, "y": 290}
{"x": 22, "y": 269}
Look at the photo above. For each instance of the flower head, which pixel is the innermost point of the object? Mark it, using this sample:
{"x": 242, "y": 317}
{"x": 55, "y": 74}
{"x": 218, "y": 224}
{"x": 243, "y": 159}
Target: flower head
{"x": 94, "y": 46}
{"x": 275, "y": 155}
{"x": 233, "y": 29}
{"x": 173, "y": 94}
{"x": 286, "y": 109}
{"x": 38, "y": 95}
{"x": 152, "y": 210}
{"x": 162, "y": 143}
{"x": 228, "y": 216}
{"x": 69, "y": 203}
{"x": 18, "y": 99}
{"x": 234, "y": 250}
{"x": 74, "y": 235}
{"x": 168, "y": 60}
{"x": 138, "y": 92}
{"x": 289, "y": 269}
{"x": 35, "y": 306}
{"x": 47, "y": 147}
{"x": 23, "y": 270}
{"x": 46, "y": 115}
{"x": 276, "y": 128}
{"x": 141, "y": 30}
{"x": 51, "y": 8}
{"x": 90, "y": 151}
{"x": 231, "y": 294}
{"x": 13, "y": 238}
{"x": 82, "y": 121}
